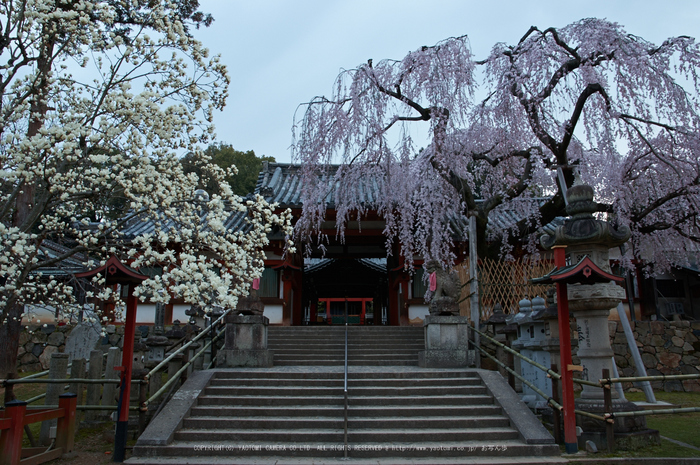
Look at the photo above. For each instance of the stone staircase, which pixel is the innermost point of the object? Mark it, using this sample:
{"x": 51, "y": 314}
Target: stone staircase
{"x": 294, "y": 412}
{"x": 254, "y": 415}
{"x": 325, "y": 345}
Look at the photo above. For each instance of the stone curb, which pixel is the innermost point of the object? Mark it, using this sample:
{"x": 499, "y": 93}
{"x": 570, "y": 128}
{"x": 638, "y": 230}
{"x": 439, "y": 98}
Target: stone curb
{"x": 522, "y": 419}
{"x": 161, "y": 430}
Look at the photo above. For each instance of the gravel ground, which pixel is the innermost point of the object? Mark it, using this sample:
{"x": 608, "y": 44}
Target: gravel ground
{"x": 93, "y": 446}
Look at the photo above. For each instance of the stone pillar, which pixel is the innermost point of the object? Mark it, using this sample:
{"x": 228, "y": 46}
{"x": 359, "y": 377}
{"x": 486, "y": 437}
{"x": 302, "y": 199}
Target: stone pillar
{"x": 77, "y": 371}
{"x": 58, "y": 369}
{"x": 93, "y": 390}
{"x": 109, "y": 391}
{"x": 446, "y": 342}
{"x": 246, "y": 342}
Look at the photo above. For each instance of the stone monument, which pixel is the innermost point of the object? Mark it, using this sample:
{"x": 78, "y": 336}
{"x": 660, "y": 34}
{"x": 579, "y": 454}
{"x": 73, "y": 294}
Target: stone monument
{"x": 84, "y": 337}
{"x": 446, "y": 332}
{"x": 246, "y": 334}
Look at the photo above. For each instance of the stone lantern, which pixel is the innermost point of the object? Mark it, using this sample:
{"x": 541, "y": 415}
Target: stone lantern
{"x": 550, "y": 329}
{"x": 531, "y": 337}
{"x": 156, "y": 350}
{"x": 591, "y": 294}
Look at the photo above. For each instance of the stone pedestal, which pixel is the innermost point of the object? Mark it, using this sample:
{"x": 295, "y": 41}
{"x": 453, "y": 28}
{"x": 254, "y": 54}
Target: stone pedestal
{"x": 446, "y": 342}
{"x": 591, "y": 306}
{"x": 246, "y": 342}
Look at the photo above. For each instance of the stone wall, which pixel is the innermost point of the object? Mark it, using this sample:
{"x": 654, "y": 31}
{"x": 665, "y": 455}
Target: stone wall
{"x": 37, "y": 343}
{"x": 667, "y": 348}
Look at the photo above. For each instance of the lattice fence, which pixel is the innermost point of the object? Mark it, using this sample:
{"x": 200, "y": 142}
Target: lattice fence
{"x": 503, "y": 282}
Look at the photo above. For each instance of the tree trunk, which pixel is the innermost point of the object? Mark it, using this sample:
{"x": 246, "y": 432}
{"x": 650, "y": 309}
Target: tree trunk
{"x": 11, "y": 328}
{"x": 9, "y": 346}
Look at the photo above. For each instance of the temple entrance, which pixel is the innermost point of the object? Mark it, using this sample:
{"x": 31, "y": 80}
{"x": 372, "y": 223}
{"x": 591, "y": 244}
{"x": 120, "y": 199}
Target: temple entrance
{"x": 357, "y": 311}
{"x": 333, "y": 288}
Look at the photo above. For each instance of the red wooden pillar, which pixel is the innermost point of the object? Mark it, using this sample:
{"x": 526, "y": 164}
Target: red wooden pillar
{"x": 168, "y": 317}
{"x": 312, "y": 311}
{"x": 120, "y": 435}
{"x": 403, "y": 308}
{"x": 297, "y": 309}
{"x": 11, "y": 438}
{"x": 393, "y": 315}
{"x": 287, "y": 296}
{"x": 65, "y": 428}
{"x": 567, "y": 384}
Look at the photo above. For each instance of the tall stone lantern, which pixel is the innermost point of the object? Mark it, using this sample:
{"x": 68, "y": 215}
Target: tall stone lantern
{"x": 585, "y": 236}
{"x": 588, "y": 241}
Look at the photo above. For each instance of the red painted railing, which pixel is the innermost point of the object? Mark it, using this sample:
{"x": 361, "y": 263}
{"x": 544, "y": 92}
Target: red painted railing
{"x": 12, "y": 430}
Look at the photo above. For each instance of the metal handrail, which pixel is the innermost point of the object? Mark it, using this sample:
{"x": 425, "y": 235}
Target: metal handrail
{"x": 345, "y": 387}
{"x": 550, "y": 372}
{"x": 182, "y": 349}
{"x": 550, "y": 400}
{"x": 173, "y": 379}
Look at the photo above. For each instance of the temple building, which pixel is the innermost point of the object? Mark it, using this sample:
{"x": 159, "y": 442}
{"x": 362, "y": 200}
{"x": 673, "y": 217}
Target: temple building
{"x": 355, "y": 272}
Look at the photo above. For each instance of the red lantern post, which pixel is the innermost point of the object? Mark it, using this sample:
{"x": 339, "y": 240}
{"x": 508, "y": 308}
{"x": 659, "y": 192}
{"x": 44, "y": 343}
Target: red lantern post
{"x": 117, "y": 273}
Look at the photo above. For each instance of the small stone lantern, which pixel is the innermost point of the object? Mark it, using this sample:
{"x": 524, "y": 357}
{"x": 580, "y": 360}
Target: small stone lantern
{"x": 156, "y": 350}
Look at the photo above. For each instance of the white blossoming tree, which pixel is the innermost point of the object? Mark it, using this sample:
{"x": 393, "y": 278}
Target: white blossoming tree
{"x": 599, "y": 104}
{"x": 96, "y": 100}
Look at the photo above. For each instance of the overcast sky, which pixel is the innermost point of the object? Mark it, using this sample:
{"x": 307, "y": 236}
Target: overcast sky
{"x": 282, "y": 53}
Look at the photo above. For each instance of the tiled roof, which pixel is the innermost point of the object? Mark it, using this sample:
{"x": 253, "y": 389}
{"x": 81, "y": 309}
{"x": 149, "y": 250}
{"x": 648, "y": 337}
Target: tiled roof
{"x": 281, "y": 183}
{"x": 67, "y": 266}
{"x": 138, "y": 226}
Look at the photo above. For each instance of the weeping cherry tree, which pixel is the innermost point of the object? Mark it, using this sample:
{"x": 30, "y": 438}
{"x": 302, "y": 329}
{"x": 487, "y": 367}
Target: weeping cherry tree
{"x": 589, "y": 100}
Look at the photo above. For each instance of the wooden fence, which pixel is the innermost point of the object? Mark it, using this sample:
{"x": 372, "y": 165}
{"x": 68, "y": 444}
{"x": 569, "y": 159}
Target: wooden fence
{"x": 503, "y": 282}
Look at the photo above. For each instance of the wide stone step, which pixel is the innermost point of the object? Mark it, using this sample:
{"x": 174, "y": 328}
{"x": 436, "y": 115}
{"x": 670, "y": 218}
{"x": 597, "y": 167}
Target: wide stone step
{"x": 421, "y": 411}
{"x": 412, "y": 362}
{"x": 330, "y": 345}
{"x": 338, "y": 383}
{"x": 341, "y": 353}
{"x": 402, "y": 375}
{"x": 312, "y": 391}
{"x": 351, "y": 358}
{"x": 380, "y": 382}
{"x": 360, "y": 436}
{"x": 299, "y": 436}
{"x": 420, "y": 400}
{"x": 311, "y": 345}
{"x": 267, "y": 374}
{"x": 267, "y": 423}
{"x": 315, "y": 391}
{"x": 276, "y": 401}
{"x": 317, "y": 329}
{"x": 334, "y": 422}
{"x": 412, "y": 374}
{"x": 357, "y": 411}
{"x": 214, "y": 410}
{"x": 265, "y": 382}
{"x": 494, "y": 450}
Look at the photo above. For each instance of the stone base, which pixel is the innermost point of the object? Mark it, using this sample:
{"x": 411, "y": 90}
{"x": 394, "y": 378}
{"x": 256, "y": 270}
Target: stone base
{"x": 623, "y": 441}
{"x": 246, "y": 358}
{"x": 623, "y": 425}
{"x": 443, "y": 359}
{"x": 246, "y": 332}
{"x": 446, "y": 342}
